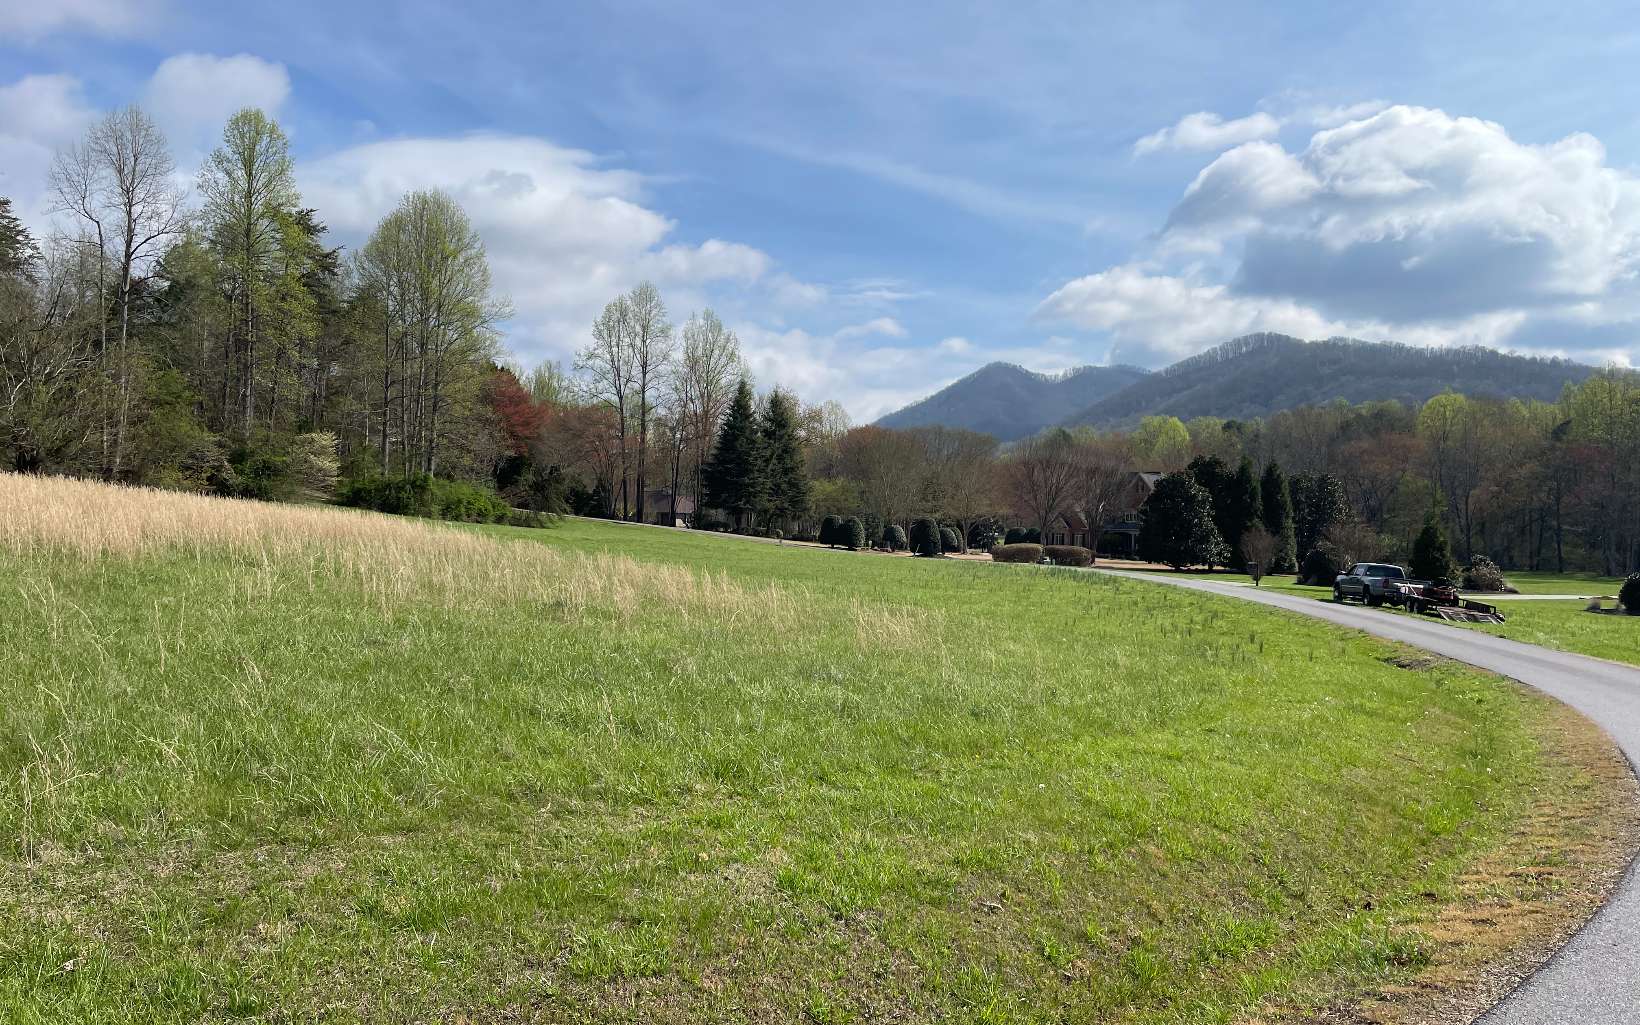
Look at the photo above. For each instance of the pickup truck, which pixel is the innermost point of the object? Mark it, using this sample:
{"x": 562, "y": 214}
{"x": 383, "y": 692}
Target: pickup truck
{"x": 1367, "y": 582}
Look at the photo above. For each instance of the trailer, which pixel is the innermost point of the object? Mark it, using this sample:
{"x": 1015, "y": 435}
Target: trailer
{"x": 1430, "y": 599}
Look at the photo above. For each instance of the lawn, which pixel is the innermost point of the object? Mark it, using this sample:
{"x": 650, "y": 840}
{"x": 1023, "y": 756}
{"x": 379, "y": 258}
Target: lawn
{"x": 289, "y": 764}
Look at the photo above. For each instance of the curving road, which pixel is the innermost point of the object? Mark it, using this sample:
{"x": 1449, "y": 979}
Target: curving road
{"x": 1595, "y": 978}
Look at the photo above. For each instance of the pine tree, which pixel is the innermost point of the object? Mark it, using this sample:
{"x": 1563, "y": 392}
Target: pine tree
{"x": 17, "y": 249}
{"x": 1277, "y": 510}
{"x": 1237, "y": 507}
{"x": 1431, "y": 555}
{"x": 786, "y": 495}
{"x": 734, "y": 476}
{"x": 1318, "y": 505}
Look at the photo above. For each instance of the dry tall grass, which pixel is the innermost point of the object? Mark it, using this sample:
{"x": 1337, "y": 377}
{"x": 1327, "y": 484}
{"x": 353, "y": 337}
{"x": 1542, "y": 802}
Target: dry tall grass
{"x": 392, "y": 559}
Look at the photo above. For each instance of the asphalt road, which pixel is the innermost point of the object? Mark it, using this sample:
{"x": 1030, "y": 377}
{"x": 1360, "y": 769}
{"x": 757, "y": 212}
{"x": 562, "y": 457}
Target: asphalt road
{"x": 1595, "y": 978}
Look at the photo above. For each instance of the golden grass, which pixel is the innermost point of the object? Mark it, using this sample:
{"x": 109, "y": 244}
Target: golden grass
{"x": 393, "y": 560}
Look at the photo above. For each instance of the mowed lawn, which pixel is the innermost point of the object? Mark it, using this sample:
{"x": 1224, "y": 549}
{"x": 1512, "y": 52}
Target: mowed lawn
{"x": 1564, "y": 625}
{"x": 280, "y": 764}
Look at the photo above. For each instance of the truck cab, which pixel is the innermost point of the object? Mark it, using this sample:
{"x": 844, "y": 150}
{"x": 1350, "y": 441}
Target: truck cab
{"x": 1367, "y": 582}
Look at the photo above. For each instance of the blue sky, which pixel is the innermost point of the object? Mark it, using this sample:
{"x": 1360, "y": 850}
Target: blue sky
{"x": 882, "y": 197}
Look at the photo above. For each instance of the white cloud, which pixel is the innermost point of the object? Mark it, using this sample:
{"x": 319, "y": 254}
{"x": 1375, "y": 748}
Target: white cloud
{"x": 1205, "y": 130}
{"x": 38, "y": 114}
{"x": 564, "y": 233}
{"x": 192, "y": 95}
{"x": 1408, "y": 223}
{"x": 956, "y": 345}
{"x": 29, "y": 20}
{"x": 886, "y": 326}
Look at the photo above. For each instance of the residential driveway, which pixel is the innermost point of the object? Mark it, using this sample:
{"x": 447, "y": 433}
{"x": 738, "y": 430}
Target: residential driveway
{"x": 1595, "y": 978}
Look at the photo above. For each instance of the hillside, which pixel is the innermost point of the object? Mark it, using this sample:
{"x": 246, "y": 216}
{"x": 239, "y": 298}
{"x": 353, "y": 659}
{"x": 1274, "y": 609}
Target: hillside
{"x": 1260, "y": 374}
{"x": 1011, "y": 402}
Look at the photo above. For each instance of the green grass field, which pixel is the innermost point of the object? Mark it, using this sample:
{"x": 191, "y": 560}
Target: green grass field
{"x": 293, "y": 765}
{"x": 1564, "y": 625}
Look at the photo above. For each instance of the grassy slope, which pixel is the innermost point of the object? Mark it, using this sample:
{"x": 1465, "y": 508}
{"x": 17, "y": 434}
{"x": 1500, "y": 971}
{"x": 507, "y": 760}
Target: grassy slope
{"x": 236, "y": 786}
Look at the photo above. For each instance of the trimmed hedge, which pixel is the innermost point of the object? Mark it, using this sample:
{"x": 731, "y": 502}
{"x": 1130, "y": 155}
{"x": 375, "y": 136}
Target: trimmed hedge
{"x": 894, "y": 538}
{"x": 829, "y": 528}
{"x": 1629, "y": 596}
{"x": 925, "y": 537}
{"x": 1017, "y": 553}
{"x": 852, "y": 535}
{"x": 950, "y": 540}
{"x": 1069, "y": 555}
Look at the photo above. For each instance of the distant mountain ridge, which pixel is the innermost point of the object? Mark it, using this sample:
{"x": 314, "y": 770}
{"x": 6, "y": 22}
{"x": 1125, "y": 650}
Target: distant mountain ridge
{"x": 1250, "y": 376}
{"x": 1010, "y": 402}
{"x": 1259, "y": 374}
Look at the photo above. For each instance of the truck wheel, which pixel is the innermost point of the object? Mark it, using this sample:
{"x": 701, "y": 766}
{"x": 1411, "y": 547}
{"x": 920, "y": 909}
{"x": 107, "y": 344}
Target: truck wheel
{"x": 1338, "y": 596}
{"x": 1372, "y": 599}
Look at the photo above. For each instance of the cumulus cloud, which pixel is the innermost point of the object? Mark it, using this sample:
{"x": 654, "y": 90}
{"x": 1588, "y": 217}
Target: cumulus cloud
{"x": 1409, "y": 223}
{"x": 563, "y": 231}
{"x": 38, "y": 114}
{"x": 29, "y": 20}
{"x": 1205, "y": 130}
{"x": 193, "y": 94}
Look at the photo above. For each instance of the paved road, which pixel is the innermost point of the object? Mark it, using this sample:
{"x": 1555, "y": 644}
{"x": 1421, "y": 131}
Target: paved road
{"x": 1595, "y": 978}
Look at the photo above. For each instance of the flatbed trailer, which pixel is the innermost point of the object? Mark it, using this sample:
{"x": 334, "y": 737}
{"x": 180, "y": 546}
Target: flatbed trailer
{"x": 1435, "y": 600}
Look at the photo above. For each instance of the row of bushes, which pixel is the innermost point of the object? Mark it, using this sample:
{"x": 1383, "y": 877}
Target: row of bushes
{"x": 421, "y": 494}
{"x": 1060, "y": 555}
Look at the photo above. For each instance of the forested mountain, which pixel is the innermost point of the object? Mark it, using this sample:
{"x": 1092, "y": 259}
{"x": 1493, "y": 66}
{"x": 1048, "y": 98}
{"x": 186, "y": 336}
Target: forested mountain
{"x": 1010, "y": 402}
{"x": 1260, "y": 374}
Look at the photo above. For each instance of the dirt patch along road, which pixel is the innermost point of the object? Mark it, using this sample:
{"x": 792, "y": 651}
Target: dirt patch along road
{"x": 1595, "y": 978}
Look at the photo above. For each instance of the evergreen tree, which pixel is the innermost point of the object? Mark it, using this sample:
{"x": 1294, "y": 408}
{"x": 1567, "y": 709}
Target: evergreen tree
{"x": 1431, "y": 555}
{"x": 17, "y": 249}
{"x": 1176, "y": 525}
{"x": 1277, "y": 510}
{"x": 925, "y": 538}
{"x": 1238, "y": 507}
{"x": 734, "y": 476}
{"x": 828, "y": 531}
{"x": 786, "y": 493}
{"x": 1318, "y": 505}
{"x": 853, "y": 534}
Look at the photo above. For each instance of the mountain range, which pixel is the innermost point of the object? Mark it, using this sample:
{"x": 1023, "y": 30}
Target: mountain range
{"x": 1010, "y": 402}
{"x": 1251, "y": 376}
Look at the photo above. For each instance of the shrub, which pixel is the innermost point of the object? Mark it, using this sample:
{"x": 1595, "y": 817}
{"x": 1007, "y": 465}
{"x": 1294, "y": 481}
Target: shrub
{"x": 1482, "y": 574}
{"x": 314, "y": 465}
{"x": 777, "y": 535}
{"x": 853, "y": 534}
{"x": 1629, "y": 596}
{"x": 950, "y": 540}
{"x": 894, "y": 538}
{"x": 1322, "y": 565}
{"x": 925, "y": 537}
{"x": 1431, "y": 555}
{"x": 984, "y": 535}
{"x": 1069, "y": 555}
{"x": 1020, "y": 552}
{"x": 1022, "y": 535}
{"x": 253, "y": 473}
{"x": 528, "y": 518}
{"x": 422, "y": 495}
{"x": 829, "y": 528}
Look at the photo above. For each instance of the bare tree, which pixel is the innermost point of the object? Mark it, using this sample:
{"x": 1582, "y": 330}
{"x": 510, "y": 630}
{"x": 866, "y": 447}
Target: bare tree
{"x": 1103, "y": 472}
{"x": 703, "y": 379}
{"x": 607, "y": 364}
{"x": 651, "y": 343}
{"x": 960, "y": 467}
{"x": 1041, "y": 477}
{"x": 886, "y": 466}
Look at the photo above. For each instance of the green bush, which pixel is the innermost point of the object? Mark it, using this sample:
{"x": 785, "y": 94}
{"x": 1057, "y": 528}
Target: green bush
{"x": 1482, "y": 574}
{"x": 925, "y": 538}
{"x": 430, "y": 497}
{"x": 828, "y": 531}
{"x": 894, "y": 538}
{"x": 950, "y": 540}
{"x": 1431, "y": 555}
{"x": 1020, "y": 552}
{"x": 853, "y": 534}
{"x": 1069, "y": 555}
{"x": 1322, "y": 565}
{"x": 1629, "y": 596}
{"x": 984, "y": 535}
{"x": 528, "y": 518}
{"x": 253, "y": 473}
{"x": 1022, "y": 535}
